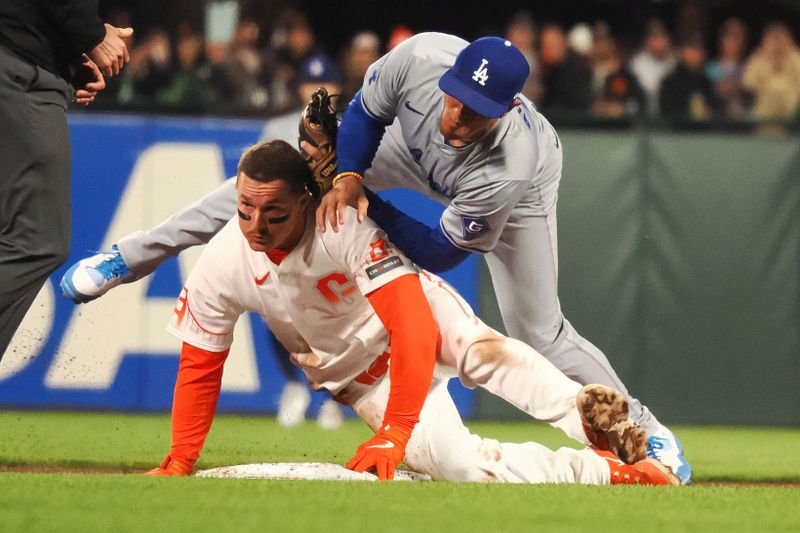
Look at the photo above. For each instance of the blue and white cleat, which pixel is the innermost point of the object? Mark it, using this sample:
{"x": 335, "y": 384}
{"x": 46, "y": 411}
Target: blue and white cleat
{"x": 94, "y": 276}
{"x": 664, "y": 447}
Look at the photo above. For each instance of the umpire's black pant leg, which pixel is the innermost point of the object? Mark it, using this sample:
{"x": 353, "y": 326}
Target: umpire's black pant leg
{"x": 35, "y": 168}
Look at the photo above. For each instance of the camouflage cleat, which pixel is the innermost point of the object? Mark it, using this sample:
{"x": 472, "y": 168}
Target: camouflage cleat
{"x": 604, "y": 412}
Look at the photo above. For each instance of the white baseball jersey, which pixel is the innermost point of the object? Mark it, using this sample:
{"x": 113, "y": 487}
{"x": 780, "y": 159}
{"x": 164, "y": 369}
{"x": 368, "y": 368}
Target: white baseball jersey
{"x": 314, "y": 300}
{"x": 515, "y": 166}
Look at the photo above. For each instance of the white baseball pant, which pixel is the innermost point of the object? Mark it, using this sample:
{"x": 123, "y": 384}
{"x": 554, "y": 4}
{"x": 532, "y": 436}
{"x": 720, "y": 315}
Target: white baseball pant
{"x": 443, "y": 448}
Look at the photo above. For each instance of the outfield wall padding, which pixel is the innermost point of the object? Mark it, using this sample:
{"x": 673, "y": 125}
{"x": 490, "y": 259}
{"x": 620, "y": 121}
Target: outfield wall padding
{"x": 680, "y": 259}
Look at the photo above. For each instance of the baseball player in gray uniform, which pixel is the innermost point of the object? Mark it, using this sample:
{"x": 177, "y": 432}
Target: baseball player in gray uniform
{"x": 445, "y": 118}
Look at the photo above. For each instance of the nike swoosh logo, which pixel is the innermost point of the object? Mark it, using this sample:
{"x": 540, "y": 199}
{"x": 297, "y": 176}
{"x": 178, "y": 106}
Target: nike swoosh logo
{"x": 385, "y": 446}
{"x": 260, "y": 281}
{"x": 408, "y": 106}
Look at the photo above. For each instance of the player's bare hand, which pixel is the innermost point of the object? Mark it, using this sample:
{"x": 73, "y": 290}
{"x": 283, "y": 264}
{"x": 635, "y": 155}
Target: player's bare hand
{"x": 333, "y": 206}
{"x": 88, "y": 81}
{"x": 381, "y": 454}
{"x": 112, "y": 53}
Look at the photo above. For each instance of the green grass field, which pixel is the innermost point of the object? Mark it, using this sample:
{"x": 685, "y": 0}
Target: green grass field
{"x": 123, "y": 502}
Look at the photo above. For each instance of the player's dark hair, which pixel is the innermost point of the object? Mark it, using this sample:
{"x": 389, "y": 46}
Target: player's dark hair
{"x": 278, "y": 160}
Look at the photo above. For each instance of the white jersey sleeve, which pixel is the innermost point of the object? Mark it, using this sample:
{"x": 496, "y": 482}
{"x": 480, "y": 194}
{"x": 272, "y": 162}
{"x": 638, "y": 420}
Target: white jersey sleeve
{"x": 365, "y": 250}
{"x": 476, "y": 216}
{"x": 206, "y": 312}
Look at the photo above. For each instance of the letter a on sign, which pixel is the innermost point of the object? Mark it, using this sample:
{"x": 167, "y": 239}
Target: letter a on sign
{"x": 481, "y": 75}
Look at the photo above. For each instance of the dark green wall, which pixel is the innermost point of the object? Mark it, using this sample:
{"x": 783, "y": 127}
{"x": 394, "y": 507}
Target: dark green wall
{"x": 680, "y": 259}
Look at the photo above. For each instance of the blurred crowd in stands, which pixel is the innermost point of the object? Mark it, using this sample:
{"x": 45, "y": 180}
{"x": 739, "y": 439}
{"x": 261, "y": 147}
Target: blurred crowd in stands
{"x": 747, "y": 74}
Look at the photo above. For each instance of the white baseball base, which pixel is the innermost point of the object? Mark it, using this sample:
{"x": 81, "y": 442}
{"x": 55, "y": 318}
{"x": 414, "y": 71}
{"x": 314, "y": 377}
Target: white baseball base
{"x": 311, "y": 471}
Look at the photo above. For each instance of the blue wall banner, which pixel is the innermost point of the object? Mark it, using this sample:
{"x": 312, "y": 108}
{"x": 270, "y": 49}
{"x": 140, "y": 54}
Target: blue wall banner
{"x": 129, "y": 174}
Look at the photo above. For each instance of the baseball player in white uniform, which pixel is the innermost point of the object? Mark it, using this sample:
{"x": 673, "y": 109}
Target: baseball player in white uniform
{"x": 382, "y": 336}
{"x": 443, "y": 117}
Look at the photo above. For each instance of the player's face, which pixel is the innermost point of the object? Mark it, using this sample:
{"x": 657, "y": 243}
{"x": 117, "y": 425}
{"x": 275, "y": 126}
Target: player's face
{"x": 461, "y": 125}
{"x": 270, "y": 215}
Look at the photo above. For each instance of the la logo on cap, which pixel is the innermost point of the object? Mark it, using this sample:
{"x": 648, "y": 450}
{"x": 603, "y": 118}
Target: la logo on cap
{"x": 468, "y": 79}
{"x": 481, "y": 75}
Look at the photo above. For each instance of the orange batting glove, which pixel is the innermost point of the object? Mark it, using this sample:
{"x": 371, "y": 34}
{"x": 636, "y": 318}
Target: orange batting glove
{"x": 171, "y": 467}
{"x": 382, "y": 453}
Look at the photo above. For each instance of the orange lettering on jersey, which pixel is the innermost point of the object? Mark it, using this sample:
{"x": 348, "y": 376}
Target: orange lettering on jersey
{"x": 377, "y": 250}
{"x": 180, "y": 305}
{"x": 336, "y": 287}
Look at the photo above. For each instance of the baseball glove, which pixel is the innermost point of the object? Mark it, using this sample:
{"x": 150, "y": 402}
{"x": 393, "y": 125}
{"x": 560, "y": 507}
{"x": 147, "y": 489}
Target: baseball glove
{"x": 317, "y": 127}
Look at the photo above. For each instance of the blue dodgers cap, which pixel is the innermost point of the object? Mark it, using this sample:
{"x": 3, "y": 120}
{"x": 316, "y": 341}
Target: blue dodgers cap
{"x": 487, "y": 76}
